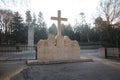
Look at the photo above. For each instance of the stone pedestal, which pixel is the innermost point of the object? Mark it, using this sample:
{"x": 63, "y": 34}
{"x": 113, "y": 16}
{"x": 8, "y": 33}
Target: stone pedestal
{"x": 101, "y": 52}
{"x": 110, "y": 52}
{"x": 31, "y": 36}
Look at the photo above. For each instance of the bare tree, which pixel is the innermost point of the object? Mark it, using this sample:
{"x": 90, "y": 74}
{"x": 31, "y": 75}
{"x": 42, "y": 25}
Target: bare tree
{"x": 15, "y": 3}
{"x": 5, "y": 18}
{"x": 109, "y": 16}
{"x": 109, "y": 10}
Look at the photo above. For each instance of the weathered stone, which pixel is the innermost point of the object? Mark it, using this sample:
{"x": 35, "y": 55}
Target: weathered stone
{"x": 31, "y": 36}
{"x": 57, "y": 49}
{"x": 101, "y": 52}
{"x": 59, "y": 41}
{"x": 113, "y": 52}
{"x": 110, "y": 52}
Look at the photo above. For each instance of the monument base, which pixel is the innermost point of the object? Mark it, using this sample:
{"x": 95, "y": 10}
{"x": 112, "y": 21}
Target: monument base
{"x": 57, "y": 49}
{"x": 38, "y": 62}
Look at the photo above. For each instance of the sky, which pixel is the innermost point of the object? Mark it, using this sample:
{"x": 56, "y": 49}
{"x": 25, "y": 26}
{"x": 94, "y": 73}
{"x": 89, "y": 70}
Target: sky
{"x": 70, "y": 9}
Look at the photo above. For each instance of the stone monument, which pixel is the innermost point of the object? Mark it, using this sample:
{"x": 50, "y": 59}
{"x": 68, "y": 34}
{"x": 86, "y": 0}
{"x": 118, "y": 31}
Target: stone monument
{"x": 58, "y": 48}
{"x": 30, "y": 38}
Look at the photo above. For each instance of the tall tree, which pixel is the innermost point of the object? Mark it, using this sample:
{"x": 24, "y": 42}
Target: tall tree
{"x": 5, "y": 18}
{"x": 40, "y": 33}
{"x": 110, "y": 11}
{"x": 15, "y": 3}
{"x": 1, "y": 36}
{"x": 40, "y": 29}
{"x": 77, "y": 32}
{"x": 18, "y": 29}
{"x": 67, "y": 30}
{"x": 107, "y": 33}
{"x": 82, "y": 33}
{"x": 28, "y": 18}
{"x": 34, "y": 20}
{"x": 40, "y": 19}
{"x": 110, "y": 17}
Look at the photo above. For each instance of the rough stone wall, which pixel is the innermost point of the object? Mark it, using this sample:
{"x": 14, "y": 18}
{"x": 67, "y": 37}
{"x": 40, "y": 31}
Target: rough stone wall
{"x": 58, "y": 48}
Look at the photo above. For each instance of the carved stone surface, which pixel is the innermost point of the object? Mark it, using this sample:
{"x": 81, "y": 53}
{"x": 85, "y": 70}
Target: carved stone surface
{"x": 58, "y": 48}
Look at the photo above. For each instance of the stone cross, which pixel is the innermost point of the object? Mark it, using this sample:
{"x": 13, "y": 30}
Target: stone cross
{"x": 59, "y": 19}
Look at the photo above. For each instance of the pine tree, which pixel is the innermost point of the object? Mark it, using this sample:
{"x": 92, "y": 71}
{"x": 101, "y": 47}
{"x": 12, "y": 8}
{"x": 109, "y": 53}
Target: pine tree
{"x": 18, "y": 33}
{"x": 28, "y": 18}
{"x": 40, "y": 29}
{"x": 40, "y": 19}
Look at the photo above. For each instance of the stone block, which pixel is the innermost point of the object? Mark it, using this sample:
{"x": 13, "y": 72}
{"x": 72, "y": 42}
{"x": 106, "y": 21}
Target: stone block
{"x": 58, "y": 48}
{"x": 110, "y": 52}
{"x": 113, "y": 52}
{"x": 101, "y": 52}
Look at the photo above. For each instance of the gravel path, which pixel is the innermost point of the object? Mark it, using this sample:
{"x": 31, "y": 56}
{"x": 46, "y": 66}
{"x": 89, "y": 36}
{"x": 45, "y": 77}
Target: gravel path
{"x": 10, "y": 68}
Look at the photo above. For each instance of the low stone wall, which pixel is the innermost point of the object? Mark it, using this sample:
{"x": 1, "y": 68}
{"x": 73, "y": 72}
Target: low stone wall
{"x": 101, "y": 52}
{"x": 58, "y": 54}
{"x": 113, "y": 52}
{"x": 109, "y": 52}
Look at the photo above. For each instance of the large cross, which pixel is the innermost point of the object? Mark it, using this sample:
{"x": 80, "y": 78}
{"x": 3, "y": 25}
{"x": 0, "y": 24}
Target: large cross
{"x": 59, "y": 19}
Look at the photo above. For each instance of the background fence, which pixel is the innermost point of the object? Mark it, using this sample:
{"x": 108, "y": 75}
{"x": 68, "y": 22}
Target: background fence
{"x": 17, "y": 52}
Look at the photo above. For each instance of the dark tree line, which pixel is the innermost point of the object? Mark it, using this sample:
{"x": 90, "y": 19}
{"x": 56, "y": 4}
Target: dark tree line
{"x": 14, "y": 30}
{"x": 87, "y": 35}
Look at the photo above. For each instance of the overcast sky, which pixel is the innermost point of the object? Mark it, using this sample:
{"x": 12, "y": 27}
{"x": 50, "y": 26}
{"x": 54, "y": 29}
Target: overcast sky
{"x": 69, "y": 9}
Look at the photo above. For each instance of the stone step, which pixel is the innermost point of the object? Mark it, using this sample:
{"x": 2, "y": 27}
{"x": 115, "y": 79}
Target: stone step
{"x": 39, "y": 62}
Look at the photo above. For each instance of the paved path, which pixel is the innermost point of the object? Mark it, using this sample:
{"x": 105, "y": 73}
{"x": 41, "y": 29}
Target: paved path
{"x": 10, "y": 68}
{"x": 89, "y": 53}
{"x": 100, "y": 69}
{"x": 18, "y": 55}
